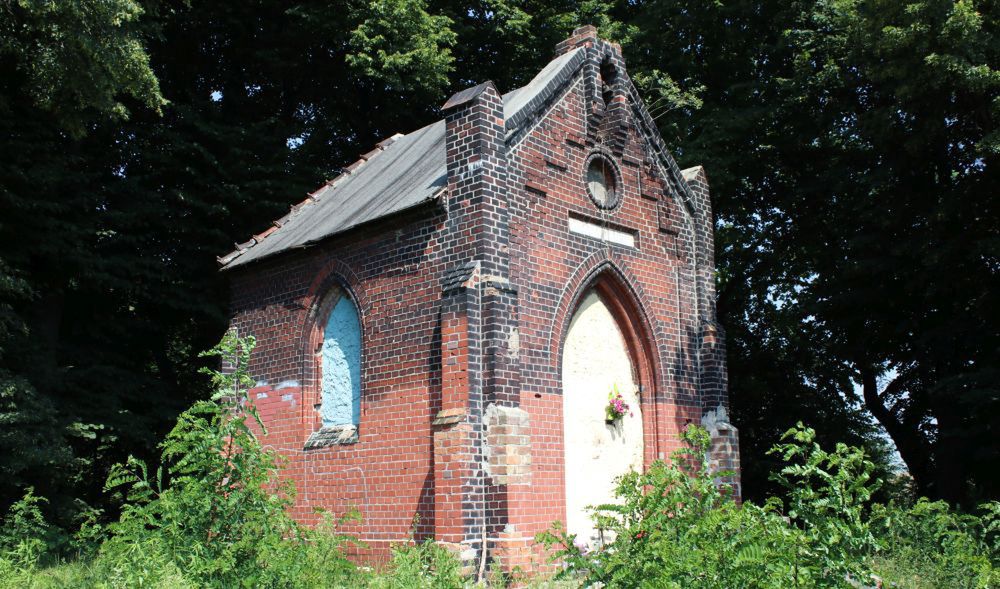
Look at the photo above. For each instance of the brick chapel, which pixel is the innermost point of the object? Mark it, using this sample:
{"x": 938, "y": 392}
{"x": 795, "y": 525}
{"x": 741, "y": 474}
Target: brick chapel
{"x": 439, "y": 328}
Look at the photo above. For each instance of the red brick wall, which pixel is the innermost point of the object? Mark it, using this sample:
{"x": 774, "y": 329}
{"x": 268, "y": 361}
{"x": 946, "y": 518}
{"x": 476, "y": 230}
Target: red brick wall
{"x": 433, "y": 362}
{"x": 393, "y": 273}
{"x": 553, "y": 267}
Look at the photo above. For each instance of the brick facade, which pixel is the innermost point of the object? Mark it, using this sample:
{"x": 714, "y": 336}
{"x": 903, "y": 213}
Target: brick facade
{"x": 464, "y": 304}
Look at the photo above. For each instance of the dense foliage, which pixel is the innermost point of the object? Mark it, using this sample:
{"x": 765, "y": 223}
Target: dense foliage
{"x": 675, "y": 527}
{"x": 215, "y": 514}
{"x": 851, "y": 146}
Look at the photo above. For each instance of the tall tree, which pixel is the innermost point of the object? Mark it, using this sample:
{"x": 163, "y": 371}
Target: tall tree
{"x": 65, "y": 68}
{"x": 116, "y": 200}
{"x": 852, "y": 150}
{"x": 903, "y": 235}
{"x": 851, "y": 145}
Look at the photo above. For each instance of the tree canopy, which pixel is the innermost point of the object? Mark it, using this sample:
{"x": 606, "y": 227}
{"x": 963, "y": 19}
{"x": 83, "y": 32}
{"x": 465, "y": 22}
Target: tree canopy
{"x": 851, "y": 146}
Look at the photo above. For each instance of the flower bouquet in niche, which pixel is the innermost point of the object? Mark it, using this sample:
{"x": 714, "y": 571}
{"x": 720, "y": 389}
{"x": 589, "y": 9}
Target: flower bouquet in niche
{"x": 616, "y": 407}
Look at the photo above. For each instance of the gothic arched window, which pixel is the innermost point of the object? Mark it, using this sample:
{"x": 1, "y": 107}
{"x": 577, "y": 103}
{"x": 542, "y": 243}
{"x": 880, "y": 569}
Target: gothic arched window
{"x": 341, "y": 361}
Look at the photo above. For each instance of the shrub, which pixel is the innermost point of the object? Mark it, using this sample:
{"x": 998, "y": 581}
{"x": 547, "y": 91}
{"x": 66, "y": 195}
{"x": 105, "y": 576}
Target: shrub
{"x": 22, "y": 540}
{"x": 213, "y": 515}
{"x": 675, "y": 527}
{"x": 827, "y": 497}
{"x": 420, "y": 566}
{"x": 928, "y": 546}
{"x": 211, "y": 510}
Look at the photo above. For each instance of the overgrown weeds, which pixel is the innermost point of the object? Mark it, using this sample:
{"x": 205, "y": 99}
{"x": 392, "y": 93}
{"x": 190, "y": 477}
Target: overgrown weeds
{"x": 674, "y": 526}
{"x": 213, "y": 515}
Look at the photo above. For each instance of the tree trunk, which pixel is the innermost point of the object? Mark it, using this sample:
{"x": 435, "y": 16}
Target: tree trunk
{"x": 913, "y": 448}
{"x": 950, "y": 472}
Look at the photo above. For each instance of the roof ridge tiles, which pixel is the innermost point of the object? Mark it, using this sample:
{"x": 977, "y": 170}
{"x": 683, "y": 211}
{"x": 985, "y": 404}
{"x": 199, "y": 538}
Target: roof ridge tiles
{"x": 354, "y": 167}
{"x": 281, "y": 220}
{"x": 263, "y": 234}
{"x": 389, "y": 140}
{"x": 311, "y": 198}
{"x": 296, "y": 207}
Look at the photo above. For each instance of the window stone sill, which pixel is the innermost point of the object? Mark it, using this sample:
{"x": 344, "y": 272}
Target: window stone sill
{"x": 332, "y": 435}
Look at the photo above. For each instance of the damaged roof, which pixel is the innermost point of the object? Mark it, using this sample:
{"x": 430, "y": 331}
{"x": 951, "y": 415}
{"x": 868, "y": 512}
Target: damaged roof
{"x": 402, "y": 172}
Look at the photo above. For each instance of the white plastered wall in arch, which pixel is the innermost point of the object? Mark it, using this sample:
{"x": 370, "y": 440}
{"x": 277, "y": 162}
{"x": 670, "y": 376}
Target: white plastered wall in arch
{"x": 595, "y": 360}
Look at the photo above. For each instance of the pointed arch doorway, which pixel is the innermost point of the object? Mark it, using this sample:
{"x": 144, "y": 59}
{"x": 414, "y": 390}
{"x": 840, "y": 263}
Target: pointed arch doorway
{"x": 600, "y": 354}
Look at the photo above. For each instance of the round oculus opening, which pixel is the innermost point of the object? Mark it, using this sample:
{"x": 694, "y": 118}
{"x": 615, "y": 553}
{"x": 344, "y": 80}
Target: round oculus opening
{"x": 602, "y": 182}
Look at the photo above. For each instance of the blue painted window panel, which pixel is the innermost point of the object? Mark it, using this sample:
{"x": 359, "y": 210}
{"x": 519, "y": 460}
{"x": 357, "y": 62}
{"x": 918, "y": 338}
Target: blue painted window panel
{"x": 341, "y": 356}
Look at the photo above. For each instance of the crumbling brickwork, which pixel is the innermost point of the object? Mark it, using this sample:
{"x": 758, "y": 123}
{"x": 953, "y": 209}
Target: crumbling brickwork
{"x": 508, "y": 445}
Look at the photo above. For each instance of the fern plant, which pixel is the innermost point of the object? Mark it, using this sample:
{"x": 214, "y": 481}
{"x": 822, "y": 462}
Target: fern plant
{"x": 828, "y": 493}
{"x": 212, "y": 509}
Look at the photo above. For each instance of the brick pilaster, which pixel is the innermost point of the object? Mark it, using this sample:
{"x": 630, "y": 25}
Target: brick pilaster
{"x": 712, "y": 341}
{"x": 457, "y": 424}
{"x": 478, "y": 218}
{"x": 713, "y": 374}
{"x": 480, "y": 301}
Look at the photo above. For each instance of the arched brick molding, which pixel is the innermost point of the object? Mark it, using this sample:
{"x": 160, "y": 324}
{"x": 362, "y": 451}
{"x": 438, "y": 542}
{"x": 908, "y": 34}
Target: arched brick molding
{"x": 320, "y": 300}
{"x": 626, "y": 302}
{"x": 603, "y": 270}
